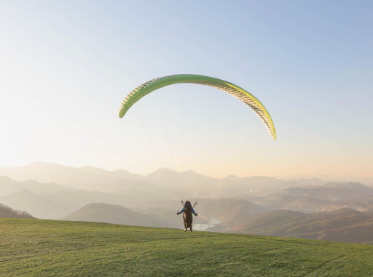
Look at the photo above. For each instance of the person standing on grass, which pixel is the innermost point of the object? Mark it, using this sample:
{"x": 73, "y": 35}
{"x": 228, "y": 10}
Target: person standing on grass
{"x": 187, "y": 212}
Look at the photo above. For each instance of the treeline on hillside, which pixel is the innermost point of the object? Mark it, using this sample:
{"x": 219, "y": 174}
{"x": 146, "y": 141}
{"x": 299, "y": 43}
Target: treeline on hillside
{"x": 7, "y": 212}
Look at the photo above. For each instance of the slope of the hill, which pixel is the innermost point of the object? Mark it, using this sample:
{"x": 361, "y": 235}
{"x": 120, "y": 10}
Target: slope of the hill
{"x": 35, "y": 204}
{"x": 116, "y": 214}
{"x": 7, "y": 212}
{"x": 345, "y": 225}
{"x": 61, "y": 248}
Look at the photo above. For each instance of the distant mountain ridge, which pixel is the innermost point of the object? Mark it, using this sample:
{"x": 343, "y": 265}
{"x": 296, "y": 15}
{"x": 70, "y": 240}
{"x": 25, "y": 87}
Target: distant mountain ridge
{"x": 345, "y": 225}
{"x": 49, "y": 172}
{"x": 115, "y": 214}
{"x": 9, "y": 186}
{"x": 331, "y": 191}
{"x": 91, "y": 178}
{"x": 324, "y": 198}
{"x": 232, "y": 198}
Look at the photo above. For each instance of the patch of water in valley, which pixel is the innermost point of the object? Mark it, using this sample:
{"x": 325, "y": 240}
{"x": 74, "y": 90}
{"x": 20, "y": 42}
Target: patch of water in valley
{"x": 205, "y": 227}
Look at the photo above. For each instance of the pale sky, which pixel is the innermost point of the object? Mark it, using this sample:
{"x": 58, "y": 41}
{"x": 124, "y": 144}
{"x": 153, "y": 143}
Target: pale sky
{"x": 66, "y": 66}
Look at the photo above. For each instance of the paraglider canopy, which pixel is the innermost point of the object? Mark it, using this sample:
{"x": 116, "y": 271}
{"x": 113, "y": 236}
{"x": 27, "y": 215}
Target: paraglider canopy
{"x": 238, "y": 92}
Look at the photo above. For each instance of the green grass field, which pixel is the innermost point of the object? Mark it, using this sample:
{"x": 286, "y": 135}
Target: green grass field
{"x": 59, "y": 248}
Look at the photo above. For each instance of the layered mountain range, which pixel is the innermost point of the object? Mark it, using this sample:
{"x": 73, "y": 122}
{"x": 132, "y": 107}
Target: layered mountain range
{"x": 310, "y": 208}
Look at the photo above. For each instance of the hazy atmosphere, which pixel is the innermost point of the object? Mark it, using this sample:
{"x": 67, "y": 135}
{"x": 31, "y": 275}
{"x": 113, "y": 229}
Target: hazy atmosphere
{"x": 114, "y": 113}
{"x": 67, "y": 65}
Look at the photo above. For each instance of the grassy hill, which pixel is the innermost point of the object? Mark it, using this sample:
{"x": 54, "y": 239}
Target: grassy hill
{"x": 61, "y": 248}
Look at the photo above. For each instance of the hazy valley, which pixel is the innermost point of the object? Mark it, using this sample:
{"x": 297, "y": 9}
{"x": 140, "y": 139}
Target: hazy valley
{"x": 302, "y": 208}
